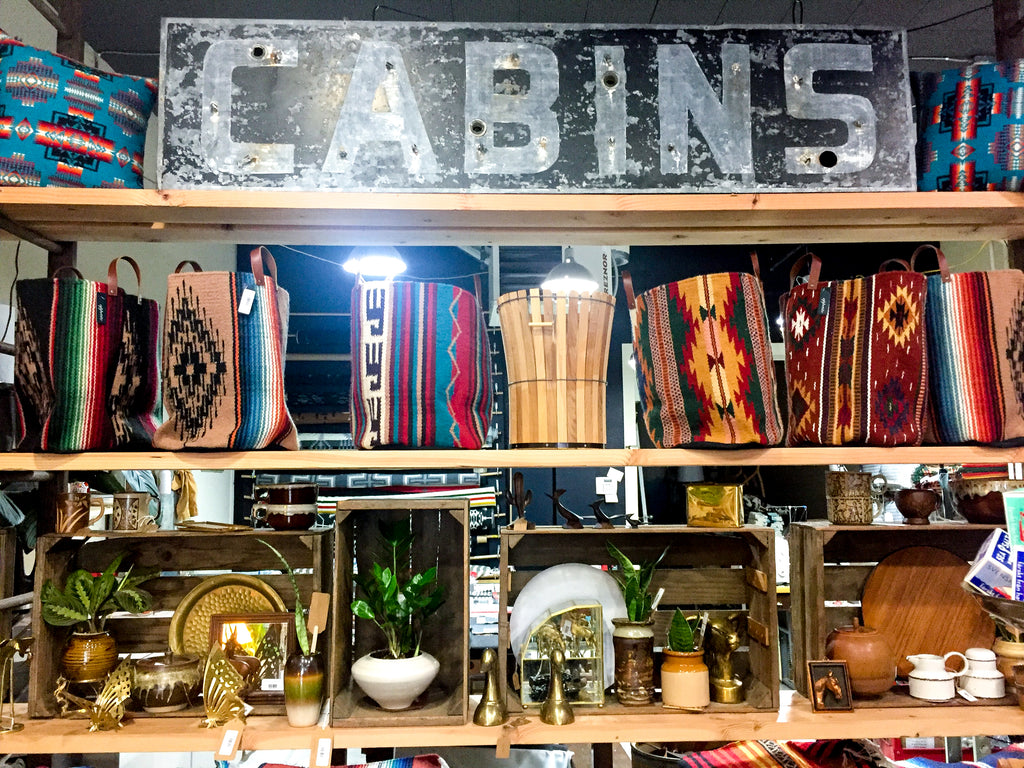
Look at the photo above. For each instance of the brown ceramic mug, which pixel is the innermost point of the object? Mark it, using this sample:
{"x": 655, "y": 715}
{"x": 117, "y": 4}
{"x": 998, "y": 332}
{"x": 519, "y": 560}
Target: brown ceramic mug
{"x": 287, "y": 506}
{"x": 131, "y": 512}
{"x": 73, "y": 512}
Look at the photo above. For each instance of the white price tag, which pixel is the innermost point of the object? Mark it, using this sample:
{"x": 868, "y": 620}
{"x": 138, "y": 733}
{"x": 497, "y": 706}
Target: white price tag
{"x": 272, "y": 684}
{"x": 245, "y": 303}
{"x": 322, "y": 749}
{"x": 229, "y": 744}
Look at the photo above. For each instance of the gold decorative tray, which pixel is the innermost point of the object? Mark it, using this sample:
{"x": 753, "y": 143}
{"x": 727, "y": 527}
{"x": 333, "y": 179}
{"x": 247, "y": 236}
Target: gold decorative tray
{"x": 225, "y": 593}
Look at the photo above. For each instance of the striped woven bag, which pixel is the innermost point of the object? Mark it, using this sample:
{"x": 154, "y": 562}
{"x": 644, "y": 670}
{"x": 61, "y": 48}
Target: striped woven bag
{"x": 975, "y": 326}
{"x": 856, "y": 360}
{"x": 421, "y": 366}
{"x": 704, "y": 361}
{"x": 85, "y": 368}
{"x": 223, "y": 359}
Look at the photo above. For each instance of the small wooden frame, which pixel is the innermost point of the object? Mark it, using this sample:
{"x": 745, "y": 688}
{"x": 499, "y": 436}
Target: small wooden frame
{"x": 830, "y": 686}
{"x": 270, "y": 638}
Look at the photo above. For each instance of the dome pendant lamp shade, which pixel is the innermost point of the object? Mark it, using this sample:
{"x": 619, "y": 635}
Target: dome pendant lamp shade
{"x": 569, "y": 275}
{"x": 381, "y": 261}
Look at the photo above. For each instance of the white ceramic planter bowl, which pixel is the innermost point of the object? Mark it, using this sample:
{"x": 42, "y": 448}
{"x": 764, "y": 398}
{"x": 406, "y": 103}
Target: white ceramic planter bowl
{"x": 395, "y": 683}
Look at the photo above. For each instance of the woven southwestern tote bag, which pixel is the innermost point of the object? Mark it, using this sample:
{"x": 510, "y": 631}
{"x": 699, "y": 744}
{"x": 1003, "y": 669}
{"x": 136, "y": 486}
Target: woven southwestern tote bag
{"x": 856, "y": 358}
{"x": 85, "y": 362}
{"x": 975, "y": 324}
{"x": 704, "y": 361}
{"x": 223, "y": 359}
{"x": 421, "y": 366}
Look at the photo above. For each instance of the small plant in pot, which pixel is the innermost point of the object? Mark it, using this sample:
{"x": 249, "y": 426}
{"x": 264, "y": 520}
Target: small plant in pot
{"x": 304, "y": 688}
{"x": 633, "y": 637}
{"x": 84, "y": 603}
{"x": 685, "y": 682}
{"x": 397, "y": 601}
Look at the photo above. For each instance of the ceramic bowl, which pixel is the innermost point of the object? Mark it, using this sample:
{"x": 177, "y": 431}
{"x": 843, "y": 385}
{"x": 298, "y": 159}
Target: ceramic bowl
{"x": 915, "y": 504}
{"x": 981, "y": 500}
{"x": 167, "y": 683}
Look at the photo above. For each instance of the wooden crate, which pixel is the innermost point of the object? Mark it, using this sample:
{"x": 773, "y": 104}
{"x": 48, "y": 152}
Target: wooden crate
{"x": 7, "y": 548}
{"x": 183, "y": 560}
{"x": 442, "y": 539}
{"x": 721, "y": 571}
{"x": 829, "y": 566}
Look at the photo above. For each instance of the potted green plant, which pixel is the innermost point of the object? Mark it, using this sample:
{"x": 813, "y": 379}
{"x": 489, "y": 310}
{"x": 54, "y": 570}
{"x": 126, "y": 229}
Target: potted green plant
{"x": 633, "y": 637}
{"x": 84, "y": 603}
{"x": 303, "y": 670}
{"x": 397, "y": 601}
{"x": 685, "y": 683}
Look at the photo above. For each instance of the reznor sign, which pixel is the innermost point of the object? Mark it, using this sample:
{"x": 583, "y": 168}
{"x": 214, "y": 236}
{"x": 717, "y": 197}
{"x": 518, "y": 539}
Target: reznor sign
{"x": 552, "y": 108}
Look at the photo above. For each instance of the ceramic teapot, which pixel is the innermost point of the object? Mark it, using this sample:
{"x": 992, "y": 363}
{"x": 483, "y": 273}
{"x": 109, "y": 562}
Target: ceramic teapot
{"x": 930, "y": 680}
{"x": 981, "y": 678}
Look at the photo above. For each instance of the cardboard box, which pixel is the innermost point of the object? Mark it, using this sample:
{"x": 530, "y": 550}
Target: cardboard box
{"x": 993, "y": 570}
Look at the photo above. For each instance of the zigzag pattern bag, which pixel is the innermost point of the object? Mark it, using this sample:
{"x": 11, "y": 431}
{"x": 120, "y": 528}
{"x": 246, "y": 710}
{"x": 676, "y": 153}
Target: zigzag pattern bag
{"x": 85, "y": 368}
{"x": 223, "y": 359}
{"x": 704, "y": 361}
{"x": 421, "y": 366}
{"x": 975, "y": 326}
{"x": 856, "y": 359}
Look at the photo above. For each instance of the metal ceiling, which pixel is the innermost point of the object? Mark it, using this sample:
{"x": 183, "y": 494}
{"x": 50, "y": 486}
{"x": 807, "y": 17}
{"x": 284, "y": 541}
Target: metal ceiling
{"x": 942, "y": 33}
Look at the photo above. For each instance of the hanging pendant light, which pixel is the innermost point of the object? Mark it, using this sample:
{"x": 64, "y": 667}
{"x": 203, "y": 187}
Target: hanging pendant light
{"x": 375, "y": 261}
{"x": 569, "y": 275}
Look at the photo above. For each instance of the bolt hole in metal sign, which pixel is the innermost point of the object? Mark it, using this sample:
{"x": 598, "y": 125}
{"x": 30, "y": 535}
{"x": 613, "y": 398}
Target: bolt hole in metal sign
{"x": 549, "y": 108}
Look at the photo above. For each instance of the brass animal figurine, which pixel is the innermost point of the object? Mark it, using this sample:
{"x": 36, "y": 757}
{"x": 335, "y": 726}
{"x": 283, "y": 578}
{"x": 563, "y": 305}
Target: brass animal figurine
{"x": 581, "y": 631}
{"x": 823, "y": 684}
{"x": 491, "y": 710}
{"x": 107, "y": 712}
{"x": 556, "y": 709}
{"x": 549, "y": 639}
{"x": 8, "y": 649}
{"x": 721, "y": 640}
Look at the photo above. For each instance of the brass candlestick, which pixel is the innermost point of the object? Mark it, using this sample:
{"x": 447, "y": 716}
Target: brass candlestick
{"x": 491, "y": 710}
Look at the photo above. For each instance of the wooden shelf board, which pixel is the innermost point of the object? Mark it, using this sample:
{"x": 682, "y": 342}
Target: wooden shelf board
{"x": 511, "y": 218}
{"x": 357, "y": 460}
{"x": 794, "y": 721}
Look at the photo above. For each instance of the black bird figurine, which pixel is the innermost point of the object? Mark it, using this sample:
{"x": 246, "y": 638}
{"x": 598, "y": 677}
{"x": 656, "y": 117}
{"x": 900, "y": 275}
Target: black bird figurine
{"x": 572, "y": 520}
{"x": 599, "y": 514}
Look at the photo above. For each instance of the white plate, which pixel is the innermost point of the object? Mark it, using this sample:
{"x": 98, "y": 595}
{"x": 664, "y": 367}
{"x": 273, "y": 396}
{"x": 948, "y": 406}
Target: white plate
{"x": 559, "y": 586}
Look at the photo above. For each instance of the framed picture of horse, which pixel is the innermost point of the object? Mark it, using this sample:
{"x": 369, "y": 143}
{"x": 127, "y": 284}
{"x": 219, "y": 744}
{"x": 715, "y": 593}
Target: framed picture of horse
{"x": 829, "y": 686}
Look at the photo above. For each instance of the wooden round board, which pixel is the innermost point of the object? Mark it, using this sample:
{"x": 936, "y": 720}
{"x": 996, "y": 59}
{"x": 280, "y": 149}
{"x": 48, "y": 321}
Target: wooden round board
{"x": 914, "y": 597}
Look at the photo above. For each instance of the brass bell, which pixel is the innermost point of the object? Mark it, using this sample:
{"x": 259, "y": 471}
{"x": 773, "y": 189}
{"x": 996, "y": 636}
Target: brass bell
{"x": 556, "y": 710}
{"x": 491, "y": 710}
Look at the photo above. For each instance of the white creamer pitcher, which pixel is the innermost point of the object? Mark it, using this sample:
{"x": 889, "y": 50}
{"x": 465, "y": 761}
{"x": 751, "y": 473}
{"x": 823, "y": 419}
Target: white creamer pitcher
{"x": 981, "y": 678}
{"x": 930, "y": 679}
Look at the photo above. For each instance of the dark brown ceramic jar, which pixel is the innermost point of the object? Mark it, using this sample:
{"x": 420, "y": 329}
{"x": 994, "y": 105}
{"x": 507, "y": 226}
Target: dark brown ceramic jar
{"x": 868, "y": 655}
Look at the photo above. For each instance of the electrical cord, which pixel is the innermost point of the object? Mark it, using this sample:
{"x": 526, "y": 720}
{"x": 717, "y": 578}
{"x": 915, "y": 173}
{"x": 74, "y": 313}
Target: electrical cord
{"x": 10, "y": 295}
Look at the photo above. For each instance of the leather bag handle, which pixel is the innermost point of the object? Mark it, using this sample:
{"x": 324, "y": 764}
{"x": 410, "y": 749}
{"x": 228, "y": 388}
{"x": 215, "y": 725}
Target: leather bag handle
{"x": 798, "y": 265}
{"x": 885, "y": 265}
{"x": 939, "y": 256}
{"x": 188, "y": 263}
{"x": 257, "y": 257}
{"x": 112, "y": 274}
{"x": 56, "y": 273}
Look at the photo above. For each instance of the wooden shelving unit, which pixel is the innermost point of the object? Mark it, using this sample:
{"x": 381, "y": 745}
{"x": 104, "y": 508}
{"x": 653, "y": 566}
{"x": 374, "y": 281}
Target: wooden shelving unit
{"x": 525, "y": 219}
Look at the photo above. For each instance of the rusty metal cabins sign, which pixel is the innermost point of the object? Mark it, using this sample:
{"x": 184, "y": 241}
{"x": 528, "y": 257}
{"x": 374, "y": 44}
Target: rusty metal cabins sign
{"x": 550, "y": 108}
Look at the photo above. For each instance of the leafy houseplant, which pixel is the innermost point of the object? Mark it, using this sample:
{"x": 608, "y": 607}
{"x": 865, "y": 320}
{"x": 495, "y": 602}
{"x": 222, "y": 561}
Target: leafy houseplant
{"x": 304, "y": 671}
{"x": 635, "y": 583}
{"x": 397, "y": 601}
{"x": 87, "y": 599}
{"x": 84, "y": 603}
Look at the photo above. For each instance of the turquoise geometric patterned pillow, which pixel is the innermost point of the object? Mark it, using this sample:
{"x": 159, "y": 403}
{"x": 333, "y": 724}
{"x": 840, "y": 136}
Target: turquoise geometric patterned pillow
{"x": 63, "y": 124}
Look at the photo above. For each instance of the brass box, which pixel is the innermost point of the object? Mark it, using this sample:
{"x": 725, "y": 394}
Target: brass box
{"x": 712, "y": 505}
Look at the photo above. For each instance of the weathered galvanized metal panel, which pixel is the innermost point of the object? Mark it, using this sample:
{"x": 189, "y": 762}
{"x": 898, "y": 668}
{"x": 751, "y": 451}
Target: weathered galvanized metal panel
{"x": 551, "y": 108}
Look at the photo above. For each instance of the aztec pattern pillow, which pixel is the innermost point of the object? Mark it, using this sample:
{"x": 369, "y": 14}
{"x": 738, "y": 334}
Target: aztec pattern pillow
{"x": 63, "y": 124}
{"x": 972, "y": 135}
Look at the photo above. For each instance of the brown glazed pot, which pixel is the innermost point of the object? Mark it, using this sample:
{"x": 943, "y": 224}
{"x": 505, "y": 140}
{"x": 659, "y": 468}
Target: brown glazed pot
{"x": 168, "y": 683}
{"x": 88, "y": 657}
{"x": 869, "y": 657}
{"x": 634, "y": 661}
